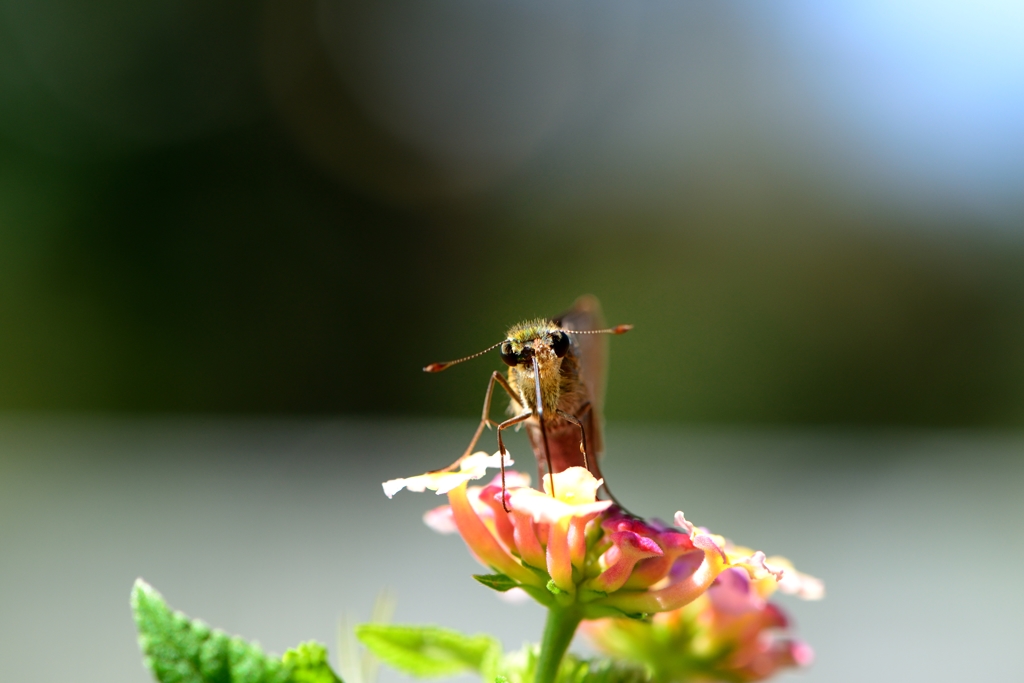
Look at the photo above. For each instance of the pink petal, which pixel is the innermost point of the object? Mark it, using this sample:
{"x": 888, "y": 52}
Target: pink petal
{"x": 648, "y": 572}
{"x": 801, "y": 653}
{"x": 628, "y": 548}
{"x": 803, "y": 586}
{"x": 732, "y": 593}
{"x": 491, "y": 496}
{"x": 559, "y": 561}
{"x": 479, "y": 539}
{"x": 679, "y": 593}
{"x": 441, "y": 520}
{"x": 527, "y": 543}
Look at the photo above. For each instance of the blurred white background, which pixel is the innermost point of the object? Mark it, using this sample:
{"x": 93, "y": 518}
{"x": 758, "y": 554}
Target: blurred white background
{"x": 273, "y": 530}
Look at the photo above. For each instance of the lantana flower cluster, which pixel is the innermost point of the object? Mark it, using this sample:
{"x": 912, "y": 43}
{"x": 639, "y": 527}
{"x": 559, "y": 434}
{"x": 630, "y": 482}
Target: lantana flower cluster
{"x": 566, "y": 548}
{"x": 730, "y": 633}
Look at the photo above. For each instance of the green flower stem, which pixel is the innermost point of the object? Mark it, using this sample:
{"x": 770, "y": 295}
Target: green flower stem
{"x": 558, "y": 632}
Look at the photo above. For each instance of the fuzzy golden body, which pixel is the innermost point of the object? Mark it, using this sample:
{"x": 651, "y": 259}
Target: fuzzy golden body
{"x": 555, "y": 382}
{"x": 564, "y": 395}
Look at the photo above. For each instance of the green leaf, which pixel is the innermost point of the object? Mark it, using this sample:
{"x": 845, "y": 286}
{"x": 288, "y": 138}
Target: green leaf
{"x": 521, "y": 667}
{"x": 181, "y": 650}
{"x": 601, "y": 671}
{"x": 541, "y": 595}
{"x": 428, "y": 651}
{"x": 308, "y": 664}
{"x": 498, "y": 582}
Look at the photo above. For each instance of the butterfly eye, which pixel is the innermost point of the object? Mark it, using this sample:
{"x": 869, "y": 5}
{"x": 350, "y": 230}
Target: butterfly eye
{"x": 559, "y": 343}
{"x": 509, "y": 356}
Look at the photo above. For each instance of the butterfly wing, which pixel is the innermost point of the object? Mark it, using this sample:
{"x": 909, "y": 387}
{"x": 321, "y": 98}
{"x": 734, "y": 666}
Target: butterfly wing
{"x": 592, "y": 352}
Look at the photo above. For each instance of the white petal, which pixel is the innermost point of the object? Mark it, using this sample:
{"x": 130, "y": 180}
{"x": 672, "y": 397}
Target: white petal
{"x": 681, "y": 522}
{"x": 473, "y": 467}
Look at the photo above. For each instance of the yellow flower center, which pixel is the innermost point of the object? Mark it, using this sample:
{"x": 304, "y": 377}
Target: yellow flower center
{"x": 573, "y": 486}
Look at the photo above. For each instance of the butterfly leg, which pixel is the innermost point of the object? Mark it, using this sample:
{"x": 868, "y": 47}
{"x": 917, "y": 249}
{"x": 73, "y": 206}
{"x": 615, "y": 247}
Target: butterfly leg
{"x": 485, "y": 420}
{"x": 512, "y": 421}
{"x": 583, "y": 434}
{"x": 574, "y": 419}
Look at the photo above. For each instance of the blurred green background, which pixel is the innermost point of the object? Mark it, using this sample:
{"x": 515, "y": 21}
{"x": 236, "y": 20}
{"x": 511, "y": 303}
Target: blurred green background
{"x": 812, "y": 215}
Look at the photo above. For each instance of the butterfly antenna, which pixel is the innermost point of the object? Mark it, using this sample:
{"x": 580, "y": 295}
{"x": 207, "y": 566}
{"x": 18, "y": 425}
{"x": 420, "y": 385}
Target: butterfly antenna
{"x": 438, "y": 367}
{"x": 618, "y": 329}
